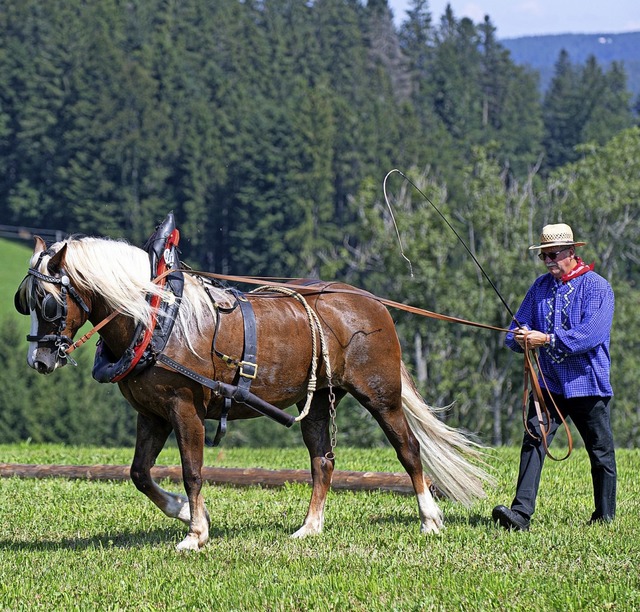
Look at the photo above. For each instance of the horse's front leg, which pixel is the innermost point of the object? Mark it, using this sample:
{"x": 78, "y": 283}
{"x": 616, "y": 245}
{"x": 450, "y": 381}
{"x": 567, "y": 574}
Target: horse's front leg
{"x": 152, "y": 433}
{"x": 190, "y": 433}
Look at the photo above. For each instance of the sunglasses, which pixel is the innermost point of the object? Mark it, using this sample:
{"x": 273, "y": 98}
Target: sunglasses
{"x": 551, "y": 255}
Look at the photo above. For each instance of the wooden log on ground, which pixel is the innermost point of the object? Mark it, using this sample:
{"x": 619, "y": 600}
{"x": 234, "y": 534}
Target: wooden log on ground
{"x": 241, "y": 477}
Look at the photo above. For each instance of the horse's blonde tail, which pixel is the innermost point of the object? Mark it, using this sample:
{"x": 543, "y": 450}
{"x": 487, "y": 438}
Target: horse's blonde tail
{"x": 450, "y": 459}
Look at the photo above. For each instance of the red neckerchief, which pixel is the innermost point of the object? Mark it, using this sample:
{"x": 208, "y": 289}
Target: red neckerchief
{"x": 579, "y": 270}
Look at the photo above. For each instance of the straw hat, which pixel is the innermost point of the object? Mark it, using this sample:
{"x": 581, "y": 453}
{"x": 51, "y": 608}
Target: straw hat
{"x": 559, "y": 234}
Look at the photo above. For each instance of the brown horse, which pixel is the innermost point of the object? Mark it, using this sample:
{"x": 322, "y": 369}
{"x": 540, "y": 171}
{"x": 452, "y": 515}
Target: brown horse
{"x": 358, "y": 352}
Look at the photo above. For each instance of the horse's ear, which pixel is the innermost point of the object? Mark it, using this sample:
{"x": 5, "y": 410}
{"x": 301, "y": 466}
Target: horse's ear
{"x": 57, "y": 261}
{"x": 39, "y": 246}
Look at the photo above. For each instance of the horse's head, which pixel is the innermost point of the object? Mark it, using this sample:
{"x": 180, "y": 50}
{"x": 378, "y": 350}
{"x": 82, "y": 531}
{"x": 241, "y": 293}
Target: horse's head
{"x": 57, "y": 310}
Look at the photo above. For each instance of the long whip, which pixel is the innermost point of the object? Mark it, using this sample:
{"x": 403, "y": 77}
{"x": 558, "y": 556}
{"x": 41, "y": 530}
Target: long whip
{"x": 530, "y": 373}
{"x": 475, "y": 259}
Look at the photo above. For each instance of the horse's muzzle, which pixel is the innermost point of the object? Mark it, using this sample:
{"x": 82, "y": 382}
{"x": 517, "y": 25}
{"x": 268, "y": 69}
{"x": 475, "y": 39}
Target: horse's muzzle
{"x": 44, "y": 360}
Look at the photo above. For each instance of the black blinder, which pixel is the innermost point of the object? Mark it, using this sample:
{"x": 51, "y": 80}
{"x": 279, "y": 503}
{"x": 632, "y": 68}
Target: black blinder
{"x": 25, "y": 300}
{"x": 51, "y": 310}
{"x": 21, "y": 300}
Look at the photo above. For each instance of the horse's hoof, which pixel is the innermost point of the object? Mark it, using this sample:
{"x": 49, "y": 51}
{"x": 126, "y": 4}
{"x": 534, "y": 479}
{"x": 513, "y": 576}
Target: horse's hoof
{"x": 431, "y": 526}
{"x": 305, "y": 531}
{"x": 189, "y": 543}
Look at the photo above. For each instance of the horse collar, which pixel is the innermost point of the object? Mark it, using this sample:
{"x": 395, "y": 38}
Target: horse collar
{"x": 148, "y": 340}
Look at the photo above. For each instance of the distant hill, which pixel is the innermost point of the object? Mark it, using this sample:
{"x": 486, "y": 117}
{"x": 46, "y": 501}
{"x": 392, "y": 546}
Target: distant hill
{"x": 541, "y": 53}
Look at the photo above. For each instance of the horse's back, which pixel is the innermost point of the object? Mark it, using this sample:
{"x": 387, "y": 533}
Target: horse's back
{"x": 358, "y": 329}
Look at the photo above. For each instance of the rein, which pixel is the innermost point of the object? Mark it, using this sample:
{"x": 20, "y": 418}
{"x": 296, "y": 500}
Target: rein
{"x": 310, "y": 290}
{"x": 542, "y": 412}
{"x": 531, "y": 361}
{"x": 531, "y": 383}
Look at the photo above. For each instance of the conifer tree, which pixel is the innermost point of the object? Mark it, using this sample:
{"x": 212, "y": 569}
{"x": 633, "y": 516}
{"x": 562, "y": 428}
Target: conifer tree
{"x": 610, "y": 110}
{"x": 561, "y": 110}
{"x": 511, "y": 116}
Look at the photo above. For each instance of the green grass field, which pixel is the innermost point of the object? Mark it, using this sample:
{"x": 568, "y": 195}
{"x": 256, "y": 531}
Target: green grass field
{"x": 16, "y": 254}
{"x": 15, "y": 258}
{"x": 77, "y": 545}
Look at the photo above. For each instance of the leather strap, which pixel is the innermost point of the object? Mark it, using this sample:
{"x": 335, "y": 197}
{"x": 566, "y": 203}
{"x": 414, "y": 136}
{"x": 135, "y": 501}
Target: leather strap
{"x": 542, "y": 411}
{"x": 248, "y": 367}
{"x": 309, "y": 289}
{"x": 228, "y": 391}
{"x": 222, "y": 424}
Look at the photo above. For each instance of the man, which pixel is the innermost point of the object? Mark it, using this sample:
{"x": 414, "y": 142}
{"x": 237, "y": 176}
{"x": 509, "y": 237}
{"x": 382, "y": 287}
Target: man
{"x": 567, "y": 315}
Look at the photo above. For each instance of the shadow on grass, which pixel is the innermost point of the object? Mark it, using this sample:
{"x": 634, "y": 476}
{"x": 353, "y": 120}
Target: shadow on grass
{"x": 168, "y": 536}
{"x": 450, "y": 518}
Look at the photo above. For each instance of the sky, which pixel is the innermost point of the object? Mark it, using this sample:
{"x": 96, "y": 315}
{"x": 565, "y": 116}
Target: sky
{"x": 514, "y": 18}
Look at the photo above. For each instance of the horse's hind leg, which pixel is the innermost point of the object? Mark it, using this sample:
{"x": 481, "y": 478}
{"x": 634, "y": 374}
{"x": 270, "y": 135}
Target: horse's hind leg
{"x": 152, "y": 433}
{"x": 397, "y": 430}
{"x": 390, "y": 416}
{"x": 316, "y": 436}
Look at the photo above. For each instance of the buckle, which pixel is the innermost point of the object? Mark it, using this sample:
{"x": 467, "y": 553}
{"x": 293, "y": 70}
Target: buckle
{"x": 230, "y": 362}
{"x": 247, "y": 364}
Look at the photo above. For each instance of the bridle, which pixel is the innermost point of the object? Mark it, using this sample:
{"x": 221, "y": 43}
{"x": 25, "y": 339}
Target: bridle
{"x": 52, "y": 310}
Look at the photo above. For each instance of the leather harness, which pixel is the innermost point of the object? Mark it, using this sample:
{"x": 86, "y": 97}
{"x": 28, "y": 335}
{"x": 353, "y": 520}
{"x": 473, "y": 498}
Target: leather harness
{"x": 150, "y": 341}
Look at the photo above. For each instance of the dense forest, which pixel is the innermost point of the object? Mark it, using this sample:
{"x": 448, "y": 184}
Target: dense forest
{"x": 268, "y": 126}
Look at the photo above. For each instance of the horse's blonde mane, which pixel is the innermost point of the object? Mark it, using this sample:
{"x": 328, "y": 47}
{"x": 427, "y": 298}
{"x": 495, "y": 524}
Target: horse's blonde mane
{"x": 120, "y": 273}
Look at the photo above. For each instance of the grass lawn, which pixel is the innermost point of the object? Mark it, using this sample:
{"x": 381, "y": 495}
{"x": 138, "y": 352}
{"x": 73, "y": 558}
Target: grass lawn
{"x": 68, "y": 544}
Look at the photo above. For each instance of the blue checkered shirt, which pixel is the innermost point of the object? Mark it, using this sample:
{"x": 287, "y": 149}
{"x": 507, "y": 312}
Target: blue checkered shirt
{"x": 577, "y": 315}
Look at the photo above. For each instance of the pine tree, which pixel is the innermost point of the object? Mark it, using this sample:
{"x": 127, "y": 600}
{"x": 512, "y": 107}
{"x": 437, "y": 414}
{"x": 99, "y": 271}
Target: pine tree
{"x": 511, "y": 116}
{"x": 38, "y": 61}
{"x": 583, "y": 104}
{"x": 457, "y": 69}
{"x": 417, "y": 42}
{"x": 610, "y": 110}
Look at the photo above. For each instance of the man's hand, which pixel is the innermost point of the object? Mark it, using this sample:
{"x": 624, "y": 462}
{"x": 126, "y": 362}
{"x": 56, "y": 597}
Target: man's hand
{"x": 533, "y": 338}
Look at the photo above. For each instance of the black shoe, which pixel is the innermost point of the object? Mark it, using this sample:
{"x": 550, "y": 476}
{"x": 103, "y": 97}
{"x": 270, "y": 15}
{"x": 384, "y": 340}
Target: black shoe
{"x": 600, "y": 519}
{"x": 510, "y": 519}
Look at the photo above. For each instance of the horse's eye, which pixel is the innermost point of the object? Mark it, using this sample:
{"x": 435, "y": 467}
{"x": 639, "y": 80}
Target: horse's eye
{"x": 50, "y": 308}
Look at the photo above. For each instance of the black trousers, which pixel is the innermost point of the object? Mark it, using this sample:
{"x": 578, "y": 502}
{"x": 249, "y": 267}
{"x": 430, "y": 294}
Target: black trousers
{"x": 591, "y": 416}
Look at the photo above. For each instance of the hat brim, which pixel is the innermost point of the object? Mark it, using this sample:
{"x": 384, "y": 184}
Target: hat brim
{"x": 564, "y": 243}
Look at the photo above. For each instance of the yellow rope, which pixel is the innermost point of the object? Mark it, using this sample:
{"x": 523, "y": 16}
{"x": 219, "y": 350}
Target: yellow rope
{"x": 316, "y": 331}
